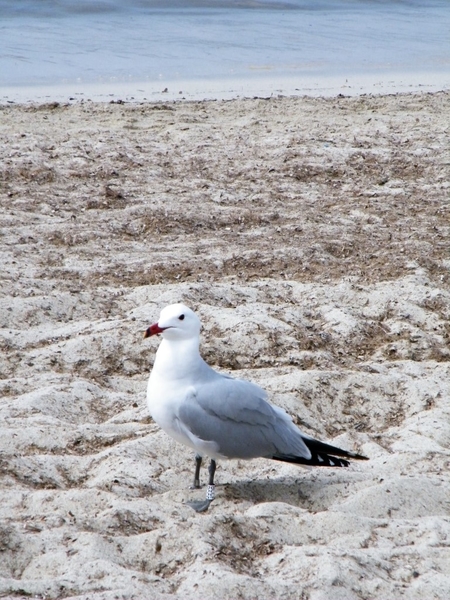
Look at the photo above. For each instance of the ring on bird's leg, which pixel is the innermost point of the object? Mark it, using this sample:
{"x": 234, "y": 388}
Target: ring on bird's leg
{"x": 203, "y": 505}
{"x": 210, "y": 492}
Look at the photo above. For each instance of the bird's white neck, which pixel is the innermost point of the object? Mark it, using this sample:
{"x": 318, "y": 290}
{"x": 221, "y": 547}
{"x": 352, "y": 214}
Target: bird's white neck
{"x": 178, "y": 359}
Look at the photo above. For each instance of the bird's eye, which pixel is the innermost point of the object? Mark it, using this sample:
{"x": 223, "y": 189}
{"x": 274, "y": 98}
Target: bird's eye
{"x": 181, "y": 317}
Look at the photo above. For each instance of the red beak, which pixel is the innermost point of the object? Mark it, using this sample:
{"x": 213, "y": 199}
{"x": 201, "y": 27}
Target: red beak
{"x": 154, "y": 329}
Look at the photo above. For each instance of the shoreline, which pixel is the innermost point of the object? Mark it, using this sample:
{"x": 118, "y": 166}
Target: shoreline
{"x": 380, "y": 83}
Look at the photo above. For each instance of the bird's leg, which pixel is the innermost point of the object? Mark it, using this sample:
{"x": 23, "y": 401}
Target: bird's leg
{"x": 203, "y": 505}
{"x": 198, "y": 464}
{"x": 211, "y": 489}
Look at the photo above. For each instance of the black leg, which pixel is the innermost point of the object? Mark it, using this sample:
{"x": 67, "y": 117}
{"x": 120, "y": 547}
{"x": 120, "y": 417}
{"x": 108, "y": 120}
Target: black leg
{"x": 202, "y": 506}
{"x": 212, "y": 471}
{"x": 198, "y": 464}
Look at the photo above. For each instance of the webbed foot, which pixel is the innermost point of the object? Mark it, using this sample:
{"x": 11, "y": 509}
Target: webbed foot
{"x": 199, "y": 506}
{"x": 203, "y": 505}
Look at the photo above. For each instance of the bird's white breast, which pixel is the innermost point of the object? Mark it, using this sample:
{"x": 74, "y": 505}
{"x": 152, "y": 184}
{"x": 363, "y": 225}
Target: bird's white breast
{"x": 171, "y": 385}
{"x": 164, "y": 399}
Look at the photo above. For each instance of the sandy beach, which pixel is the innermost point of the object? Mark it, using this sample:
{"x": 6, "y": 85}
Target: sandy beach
{"x": 311, "y": 235}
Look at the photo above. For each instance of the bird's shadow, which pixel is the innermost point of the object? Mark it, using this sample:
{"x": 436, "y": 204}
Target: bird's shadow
{"x": 311, "y": 495}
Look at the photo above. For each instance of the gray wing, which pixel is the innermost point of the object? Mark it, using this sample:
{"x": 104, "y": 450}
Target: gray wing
{"x": 236, "y": 416}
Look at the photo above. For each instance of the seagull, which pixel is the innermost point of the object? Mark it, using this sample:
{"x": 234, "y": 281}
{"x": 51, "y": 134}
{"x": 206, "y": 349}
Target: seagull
{"x": 217, "y": 415}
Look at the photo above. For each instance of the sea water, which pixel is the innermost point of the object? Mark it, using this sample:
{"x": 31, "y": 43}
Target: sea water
{"x": 80, "y": 42}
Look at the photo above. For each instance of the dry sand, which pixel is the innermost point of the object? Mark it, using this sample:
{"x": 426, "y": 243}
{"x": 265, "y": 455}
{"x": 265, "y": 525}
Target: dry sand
{"x": 312, "y": 236}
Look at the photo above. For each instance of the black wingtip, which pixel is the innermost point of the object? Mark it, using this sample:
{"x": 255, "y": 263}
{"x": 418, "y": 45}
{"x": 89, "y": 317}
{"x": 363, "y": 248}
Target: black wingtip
{"x": 357, "y": 456}
{"x": 322, "y": 455}
{"x": 316, "y": 446}
{"x": 317, "y": 459}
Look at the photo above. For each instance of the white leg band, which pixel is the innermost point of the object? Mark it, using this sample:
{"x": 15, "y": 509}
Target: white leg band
{"x": 210, "y": 492}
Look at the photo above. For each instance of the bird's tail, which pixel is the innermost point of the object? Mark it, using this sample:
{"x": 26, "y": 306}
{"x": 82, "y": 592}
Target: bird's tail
{"x": 322, "y": 455}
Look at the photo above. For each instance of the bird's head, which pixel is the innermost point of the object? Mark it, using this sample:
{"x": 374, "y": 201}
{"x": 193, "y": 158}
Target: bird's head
{"x": 176, "y": 322}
